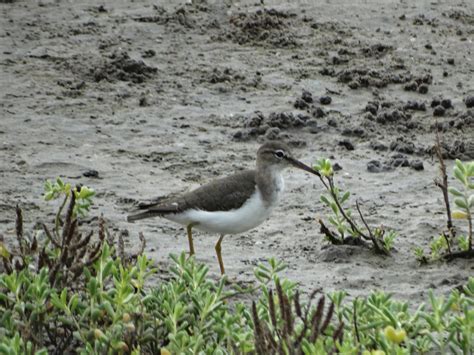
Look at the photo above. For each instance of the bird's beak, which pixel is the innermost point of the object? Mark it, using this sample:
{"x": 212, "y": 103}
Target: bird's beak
{"x": 302, "y": 166}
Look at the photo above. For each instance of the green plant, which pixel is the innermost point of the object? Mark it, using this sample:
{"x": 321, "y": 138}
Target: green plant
{"x": 380, "y": 323}
{"x": 62, "y": 259}
{"x": 348, "y": 231}
{"x": 110, "y": 309}
{"x": 464, "y": 199}
{"x": 450, "y": 245}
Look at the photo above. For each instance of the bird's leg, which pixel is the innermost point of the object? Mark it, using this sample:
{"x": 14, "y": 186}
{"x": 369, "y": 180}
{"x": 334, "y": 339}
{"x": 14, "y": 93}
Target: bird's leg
{"x": 190, "y": 239}
{"x": 219, "y": 255}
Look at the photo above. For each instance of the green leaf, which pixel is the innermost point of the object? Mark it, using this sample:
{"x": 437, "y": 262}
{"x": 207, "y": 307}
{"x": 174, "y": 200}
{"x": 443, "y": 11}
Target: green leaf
{"x": 460, "y": 176}
{"x": 461, "y": 203}
{"x": 455, "y": 192}
{"x": 325, "y": 200}
{"x": 345, "y": 196}
{"x": 461, "y": 166}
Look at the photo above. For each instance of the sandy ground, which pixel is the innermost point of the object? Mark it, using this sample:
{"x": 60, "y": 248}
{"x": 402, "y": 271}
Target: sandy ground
{"x": 159, "y": 98}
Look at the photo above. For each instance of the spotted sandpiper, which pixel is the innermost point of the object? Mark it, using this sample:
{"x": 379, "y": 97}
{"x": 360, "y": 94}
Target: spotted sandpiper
{"x": 233, "y": 204}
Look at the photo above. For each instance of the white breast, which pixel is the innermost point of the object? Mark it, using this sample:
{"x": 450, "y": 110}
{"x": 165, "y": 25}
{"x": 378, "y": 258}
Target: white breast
{"x": 251, "y": 214}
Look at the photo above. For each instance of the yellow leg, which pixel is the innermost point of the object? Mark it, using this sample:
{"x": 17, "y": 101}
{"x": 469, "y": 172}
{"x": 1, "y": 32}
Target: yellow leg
{"x": 219, "y": 255}
{"x": 190, "y": 239}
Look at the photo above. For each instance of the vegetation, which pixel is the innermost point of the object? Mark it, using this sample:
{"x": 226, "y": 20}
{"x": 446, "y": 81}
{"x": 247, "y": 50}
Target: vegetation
{"x": 449, "y": 244}
{"x": 62, "y": 292}
{"x": 347, "y": 229}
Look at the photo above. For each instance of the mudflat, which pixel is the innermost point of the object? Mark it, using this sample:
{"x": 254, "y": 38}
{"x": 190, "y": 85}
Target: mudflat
{"x": 143, "y": 99}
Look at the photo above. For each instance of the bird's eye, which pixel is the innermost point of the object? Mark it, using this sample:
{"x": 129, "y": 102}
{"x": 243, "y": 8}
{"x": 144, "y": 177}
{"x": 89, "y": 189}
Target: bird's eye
{"x": 279, "y": 154}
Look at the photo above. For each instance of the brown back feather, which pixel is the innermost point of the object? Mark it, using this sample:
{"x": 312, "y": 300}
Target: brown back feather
{"x": 223, "y": 194}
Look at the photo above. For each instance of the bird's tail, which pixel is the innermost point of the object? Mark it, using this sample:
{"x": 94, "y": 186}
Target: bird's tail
{"x": 142, "y": 215}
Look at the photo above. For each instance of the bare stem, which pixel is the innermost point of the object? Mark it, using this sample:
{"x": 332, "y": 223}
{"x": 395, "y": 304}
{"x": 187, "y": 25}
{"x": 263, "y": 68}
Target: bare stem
{"x": 469, "y": 221}
{"x": 443, "y": 185}
{"x": 343, "y": 213}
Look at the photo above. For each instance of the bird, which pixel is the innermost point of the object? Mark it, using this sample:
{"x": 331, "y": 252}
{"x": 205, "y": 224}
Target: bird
{"x": 232, "y": 204}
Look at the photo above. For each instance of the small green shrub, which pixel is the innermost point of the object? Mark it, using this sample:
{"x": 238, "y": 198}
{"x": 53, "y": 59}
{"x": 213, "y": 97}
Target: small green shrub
{"x": 110, "y": 309}
{"x": 449, "y": 244}
{"x": 347, "y": 229}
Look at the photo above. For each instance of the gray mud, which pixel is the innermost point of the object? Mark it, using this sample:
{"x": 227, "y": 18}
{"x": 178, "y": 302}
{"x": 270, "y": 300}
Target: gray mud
{"x": 160, "y": 99}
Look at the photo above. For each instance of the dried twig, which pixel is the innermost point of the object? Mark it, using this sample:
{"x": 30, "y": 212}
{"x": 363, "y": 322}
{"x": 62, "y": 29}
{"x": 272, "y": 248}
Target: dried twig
{"x": 377, "y": 247}
{"x": 443, "y": 185}
{"x": 330, "y": 235}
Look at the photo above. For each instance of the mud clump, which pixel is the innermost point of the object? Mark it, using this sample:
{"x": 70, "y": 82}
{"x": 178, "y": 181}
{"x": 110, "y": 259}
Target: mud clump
{"x": 395, "y": 161}
{"x": 469, "y": 101}
{"x": 393, "y": 113}
{"x": 377, "y": 50}
{"x": 271, "y": 126}
{"x": 458, "y": 149}
{"x": 440, "y": 106}
{"x": 307, "y": 103}
{"x": 121, "y": 67}
{"x": 400, "y": 145}
{"x": 269, "y": 26}
{"x": 420, "y": 84}
{"x": 415, "y": 106}
{"x": 225, "y": 75}
{"x": 365, "y": 78}
{"x": 181, "y": 17}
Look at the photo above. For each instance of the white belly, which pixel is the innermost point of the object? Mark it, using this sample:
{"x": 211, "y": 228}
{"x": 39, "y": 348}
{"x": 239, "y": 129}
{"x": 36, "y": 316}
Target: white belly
{"x": 251, "y": 214}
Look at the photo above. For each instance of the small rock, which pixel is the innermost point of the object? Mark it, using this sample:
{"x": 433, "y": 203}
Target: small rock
{"x": 446, "y": 103}
{"x": 91, "y": 173}
{"x": 403, "y": 147}
{"x": 307, "y": 96}
{"x": 417, "y": 165}
{"x": 325, "y": 100}
{"x": 423, "y": 89}
{"x": 399, "y": 160}
{"x": 372, "y": 108}
{"x": 435, "y": 102}
{"x": 377, "y": 146}
{"x": 318, "y": 112}
{"x": 410, "y": 86}
{"x": 300, "y": 104}
{"x": 450, "y": 61}
{"x": 346, "y": 144}
{"x": 374, "y": 166}
{"x": 469, "y": 101}
{"x": 439, "y": 111}
{"x": 332, "y": 122}
{"x": 336, "y": 167}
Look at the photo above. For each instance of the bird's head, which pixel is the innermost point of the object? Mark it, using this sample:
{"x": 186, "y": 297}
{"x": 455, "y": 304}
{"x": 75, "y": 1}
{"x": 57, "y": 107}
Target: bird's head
{"x": 277, "y": 155}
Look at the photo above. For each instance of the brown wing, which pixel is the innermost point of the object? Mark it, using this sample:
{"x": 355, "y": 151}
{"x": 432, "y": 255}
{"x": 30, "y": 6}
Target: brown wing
{"x": 223, "y": 194}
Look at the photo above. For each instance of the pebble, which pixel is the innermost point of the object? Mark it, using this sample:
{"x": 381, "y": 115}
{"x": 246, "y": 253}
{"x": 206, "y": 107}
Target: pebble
{"x": 469, "y": 101}
{"x": 318, "y": 112}
{"x": 439, "y": 111}
{"x": 325, "y": 100}
{"x": 91, "y": 173}
{"x": 346, "y": 144}
{"x": 417, "y": 165}
{"x": 307, "y": 96}
{"x": 374, "y": 166}
{"x": 300, "y": 104}
{"x": 446, "y": 103}
{"x": 423, "y": 89}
